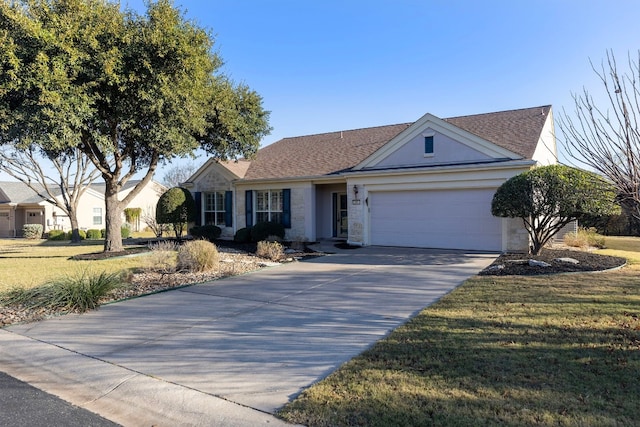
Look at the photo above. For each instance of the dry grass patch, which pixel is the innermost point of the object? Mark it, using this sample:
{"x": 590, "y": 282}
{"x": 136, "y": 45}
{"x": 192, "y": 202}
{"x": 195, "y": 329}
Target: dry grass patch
{"x": 546, "y": 350}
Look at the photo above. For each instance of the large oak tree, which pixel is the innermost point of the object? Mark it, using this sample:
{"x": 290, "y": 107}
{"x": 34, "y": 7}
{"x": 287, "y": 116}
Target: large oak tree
{"x": 129, "y": 90}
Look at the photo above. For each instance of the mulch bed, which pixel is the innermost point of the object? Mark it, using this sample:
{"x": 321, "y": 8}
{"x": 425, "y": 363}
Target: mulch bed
{"x": 587, "y": 261}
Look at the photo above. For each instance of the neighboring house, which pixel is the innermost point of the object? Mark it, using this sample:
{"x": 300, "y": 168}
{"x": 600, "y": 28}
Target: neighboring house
{"x": 20, "y": 205}
{"x": 424, "y": 184}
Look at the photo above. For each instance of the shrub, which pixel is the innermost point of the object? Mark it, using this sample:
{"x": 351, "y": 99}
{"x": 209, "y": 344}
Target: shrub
{"x": 243, "y": 235}
{"x": 270, "y": 250}
{"x": 81, "y": 292}
{"x": 94, "y": 234}
{"x": 57, "y": 235}
{"x": 162, "y": 258}
{"x": 103, "y": 233}
{"x": 208, "y": 232}
{"x": 125, "y": 230}
{"x": 262, "y": 231}
{"x": 584, "y": 238}
{"x": 32, "y": 231}
{"x": 197, "y": 256}
{"x": 176, "y": 207}
{"x": 81, "y": 233}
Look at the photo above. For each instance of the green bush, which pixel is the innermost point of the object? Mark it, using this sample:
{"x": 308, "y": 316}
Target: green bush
{"x": 176, "y": 207}
{"x": 94, "y": 234}
{"x": 209, "y": 232}
{"x": 263, "y": 230}
{"x": 197, "y": 256}
{"x": 58, "y": 235}
{"x": 81, "y": 233}
{"x": 32, "y": 231}
{"x": 81, "y": 292}
{"x": 125, "y": 230}
{"x": 243, "y": 235}
{"x": 103, "y": 233}
{"x": 270, "y": 250}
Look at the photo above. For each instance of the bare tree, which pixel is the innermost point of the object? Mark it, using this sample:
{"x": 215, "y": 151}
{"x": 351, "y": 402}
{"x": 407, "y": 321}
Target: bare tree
{"x": 606, "y": 137}
{"x": 178, "y": 174}
{"x": 63, "y": 188}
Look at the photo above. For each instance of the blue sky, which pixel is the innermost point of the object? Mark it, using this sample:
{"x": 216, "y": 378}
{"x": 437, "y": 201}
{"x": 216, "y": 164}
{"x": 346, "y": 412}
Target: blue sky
{"x": 330, "y": 65}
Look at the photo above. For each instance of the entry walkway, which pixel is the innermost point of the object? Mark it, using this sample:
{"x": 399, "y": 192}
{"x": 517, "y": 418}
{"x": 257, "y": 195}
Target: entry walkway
{"x": 231, "y": 352}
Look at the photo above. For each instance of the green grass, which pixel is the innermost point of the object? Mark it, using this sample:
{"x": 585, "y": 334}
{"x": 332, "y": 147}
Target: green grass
{"x": 31, "y": 263}
{"x": 559, "y": 350}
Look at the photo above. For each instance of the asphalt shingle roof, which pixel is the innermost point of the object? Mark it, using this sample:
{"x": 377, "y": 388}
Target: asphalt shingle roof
{"x": 17, "y": 192}
{"x": 329, "y": 153}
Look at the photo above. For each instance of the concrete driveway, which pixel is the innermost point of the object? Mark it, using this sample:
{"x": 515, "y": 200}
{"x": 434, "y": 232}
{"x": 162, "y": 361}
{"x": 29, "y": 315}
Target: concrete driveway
{"x": 233, "y": 351}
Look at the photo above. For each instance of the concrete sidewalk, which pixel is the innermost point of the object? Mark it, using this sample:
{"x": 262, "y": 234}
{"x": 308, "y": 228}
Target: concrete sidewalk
{"x": 233, "y": 351}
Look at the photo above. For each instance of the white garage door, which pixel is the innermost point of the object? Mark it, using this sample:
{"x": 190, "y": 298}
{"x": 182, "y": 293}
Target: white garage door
{"x": 449, "y": 219}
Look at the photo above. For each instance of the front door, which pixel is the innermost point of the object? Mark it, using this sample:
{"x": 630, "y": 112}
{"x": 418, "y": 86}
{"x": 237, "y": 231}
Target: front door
{"x": 340, "y": 216}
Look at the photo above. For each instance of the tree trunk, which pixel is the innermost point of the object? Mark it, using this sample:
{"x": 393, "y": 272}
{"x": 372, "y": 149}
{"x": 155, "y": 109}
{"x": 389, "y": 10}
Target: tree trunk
{"x": 75, "y": 232}
{"x": 112, "y": 218}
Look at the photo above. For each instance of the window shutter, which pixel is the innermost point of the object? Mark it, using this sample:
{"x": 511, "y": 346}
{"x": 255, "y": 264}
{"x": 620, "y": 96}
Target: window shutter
{"x": 228, "y": 209}
{"x": 248, "y": 207}
{"x": 197, "y": 197}
{"x": 286, "y": 208}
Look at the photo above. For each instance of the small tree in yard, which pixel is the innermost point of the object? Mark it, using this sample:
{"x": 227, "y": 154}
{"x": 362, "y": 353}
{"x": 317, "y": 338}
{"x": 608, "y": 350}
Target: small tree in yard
{"x": 176, "y": 207}
{"x": 549, "y": 197}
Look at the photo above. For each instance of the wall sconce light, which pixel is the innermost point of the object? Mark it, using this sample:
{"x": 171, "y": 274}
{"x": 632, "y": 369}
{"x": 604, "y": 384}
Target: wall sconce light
{"x": 355, "y": 191}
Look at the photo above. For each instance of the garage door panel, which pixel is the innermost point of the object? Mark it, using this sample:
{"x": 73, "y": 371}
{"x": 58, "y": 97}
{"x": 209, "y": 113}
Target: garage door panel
{"x": 452, "y": 219}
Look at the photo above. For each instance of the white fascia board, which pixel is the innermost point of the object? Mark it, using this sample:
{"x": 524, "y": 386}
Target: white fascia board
{"x": 428, "y": 123}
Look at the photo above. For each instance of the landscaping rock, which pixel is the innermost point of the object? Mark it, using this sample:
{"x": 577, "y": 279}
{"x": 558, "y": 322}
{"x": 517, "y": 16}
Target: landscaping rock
{"x": 536, "y": 263}
{"x": 567, "y": 260}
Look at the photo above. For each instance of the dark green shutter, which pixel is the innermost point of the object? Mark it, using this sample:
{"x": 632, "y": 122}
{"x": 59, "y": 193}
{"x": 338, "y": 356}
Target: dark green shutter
{"x": 228, "y": 209}
{"x": 286, "y": 208}
{"x": 248, "y": 207}
{"x": 197, "y": 197}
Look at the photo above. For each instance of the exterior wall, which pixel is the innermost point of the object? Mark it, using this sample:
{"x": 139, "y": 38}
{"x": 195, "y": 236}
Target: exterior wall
{"x": 146, "y": 200}
{"x": 546, "y": 152}
{"x": 515, "y": 237}
{"x": 445, "y": 150}
{"x": 216, "y": 180}
{"x": 303, "y": 207}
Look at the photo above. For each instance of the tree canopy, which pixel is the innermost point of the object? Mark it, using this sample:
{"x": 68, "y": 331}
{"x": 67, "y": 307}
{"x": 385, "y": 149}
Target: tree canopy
{"x": 128, "y": 90}
{"x": 549, "y": 197}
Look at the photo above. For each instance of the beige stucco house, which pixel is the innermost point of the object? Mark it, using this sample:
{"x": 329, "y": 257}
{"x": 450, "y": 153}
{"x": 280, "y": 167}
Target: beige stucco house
{"x": 428, "y": 183}
{"x": 19, "y": 205}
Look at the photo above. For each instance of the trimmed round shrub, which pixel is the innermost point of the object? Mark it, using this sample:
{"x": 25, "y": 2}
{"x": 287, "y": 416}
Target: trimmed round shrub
{"x": 58, "y": 235}
{"x": 198, "y": 255}
{"x": 263, "y": 230}
{"x": 81, "y": 233}
{"x": 32, "y": 231}
{"x": 94, "y": 234}
{"x": 209, "y": 232}
{"x": 176, "y": 207}
{"x": 243, "y": 235}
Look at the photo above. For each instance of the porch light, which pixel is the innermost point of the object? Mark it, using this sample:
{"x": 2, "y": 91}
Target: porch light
{"x": 355, "y": 191}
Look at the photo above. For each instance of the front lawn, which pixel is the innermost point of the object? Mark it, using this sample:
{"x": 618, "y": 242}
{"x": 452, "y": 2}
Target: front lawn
{"x": 515, "y": 350}
{"x": 29, "y": 263}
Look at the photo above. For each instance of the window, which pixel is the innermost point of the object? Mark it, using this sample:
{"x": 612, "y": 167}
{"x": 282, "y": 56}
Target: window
{"x": 428, "y": 145}
{"x": 269, "y": 205}
{"x": 214, "y": 208}
{"x": 97, "y": 216}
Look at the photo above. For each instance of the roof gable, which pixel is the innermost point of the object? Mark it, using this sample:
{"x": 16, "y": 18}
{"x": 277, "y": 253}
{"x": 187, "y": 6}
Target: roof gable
{"x": 452, "y": 145}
